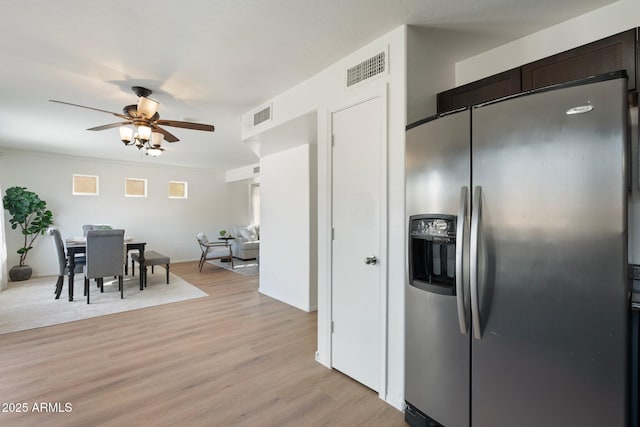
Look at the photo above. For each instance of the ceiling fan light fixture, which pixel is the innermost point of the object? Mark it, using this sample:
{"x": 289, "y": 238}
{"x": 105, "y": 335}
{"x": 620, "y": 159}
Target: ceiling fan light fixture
{"x": 144, "y": 133}
{"x": 147, "y": 107}
{"x": 126, "y": 134}
{"x": 154, "y": 152}
{"x": 139, "y": 144}
{"x": 156, "y": 139}
{"x": 140, "y": 120}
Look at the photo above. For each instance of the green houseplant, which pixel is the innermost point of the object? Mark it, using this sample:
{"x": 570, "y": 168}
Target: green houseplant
{"x": 32, "y": 216}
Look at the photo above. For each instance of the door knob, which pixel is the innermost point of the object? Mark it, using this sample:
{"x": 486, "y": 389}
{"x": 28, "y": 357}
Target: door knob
{"x": 371, "y": 260}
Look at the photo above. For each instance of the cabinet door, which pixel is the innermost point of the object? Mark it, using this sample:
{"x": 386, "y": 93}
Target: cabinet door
{"x": 488, "y": 89}
{"x": 610, "y": 54}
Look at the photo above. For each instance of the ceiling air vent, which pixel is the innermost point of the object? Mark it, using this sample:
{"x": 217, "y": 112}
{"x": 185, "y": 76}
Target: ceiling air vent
{"x": 262, "y": 116}
{"x": 366, "y": 69}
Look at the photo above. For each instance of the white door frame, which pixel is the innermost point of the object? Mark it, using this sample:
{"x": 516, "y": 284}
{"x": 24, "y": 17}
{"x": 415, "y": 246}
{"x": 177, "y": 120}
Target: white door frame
{"x": 380, "y": 92}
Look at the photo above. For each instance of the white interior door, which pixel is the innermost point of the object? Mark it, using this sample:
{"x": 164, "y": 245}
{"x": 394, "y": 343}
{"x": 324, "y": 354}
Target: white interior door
{"x": 356, "y": 189}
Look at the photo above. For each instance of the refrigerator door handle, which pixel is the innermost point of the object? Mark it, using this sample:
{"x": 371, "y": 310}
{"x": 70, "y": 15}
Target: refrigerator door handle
{"x": 460, "y": 240}
{"x": 476, "y": 212}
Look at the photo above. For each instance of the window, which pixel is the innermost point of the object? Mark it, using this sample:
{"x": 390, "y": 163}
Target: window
{"x": 135, "y": 187}
{"x": 254, "y": 203}
{"x": 85, "y": 185}
{"x": 177, "y": 190}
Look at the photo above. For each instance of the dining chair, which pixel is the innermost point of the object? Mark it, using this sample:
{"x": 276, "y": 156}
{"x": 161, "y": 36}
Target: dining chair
{"x": 63, "y": 262}
{"x": 213, "y": 250}
{"x": 105, "y": 257}
{"x": 87, "y": 227}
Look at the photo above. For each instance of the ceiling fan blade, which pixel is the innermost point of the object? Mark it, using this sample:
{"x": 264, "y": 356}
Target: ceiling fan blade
{"x": 167, "y": 136}
{"x": 122, "y": 116}
{"x": 186, "y": 125}
{"x": 110, "y": 126}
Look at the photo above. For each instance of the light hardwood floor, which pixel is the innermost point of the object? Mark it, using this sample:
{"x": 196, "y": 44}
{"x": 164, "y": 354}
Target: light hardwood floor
{"x": 234, "y": 358}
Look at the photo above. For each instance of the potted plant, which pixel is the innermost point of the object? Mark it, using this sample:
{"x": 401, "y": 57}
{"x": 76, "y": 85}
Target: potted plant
{"x": 32, "y": 216}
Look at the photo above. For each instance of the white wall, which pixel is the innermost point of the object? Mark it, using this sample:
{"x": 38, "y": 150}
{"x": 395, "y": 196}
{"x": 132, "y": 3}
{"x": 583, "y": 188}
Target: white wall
{"x": 313, "y": 227}
{"x": 168, "y": 225}
{"x": 287, "y": 189}
{"x": 242, "y": 174}
{"x": 430, "y": 69}
{"x": 238, "y": 203}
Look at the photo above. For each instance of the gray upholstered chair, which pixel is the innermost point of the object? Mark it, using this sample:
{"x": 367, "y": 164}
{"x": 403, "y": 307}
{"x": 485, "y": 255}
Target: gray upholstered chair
{"x": 213, "y": 250}
{"x": 87, "y": 227}
{"x": 105, "y": 258}
{"x": 63, "y": 263}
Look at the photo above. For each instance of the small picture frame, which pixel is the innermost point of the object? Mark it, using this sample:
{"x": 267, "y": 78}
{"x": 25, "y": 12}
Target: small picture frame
{"x": 135, "y": 187}
{"x": 178, "y": 190}
{"x": 85, "y": 185}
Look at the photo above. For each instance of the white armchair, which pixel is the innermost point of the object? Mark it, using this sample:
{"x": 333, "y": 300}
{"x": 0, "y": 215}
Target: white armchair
{"x": 246, "y": 242}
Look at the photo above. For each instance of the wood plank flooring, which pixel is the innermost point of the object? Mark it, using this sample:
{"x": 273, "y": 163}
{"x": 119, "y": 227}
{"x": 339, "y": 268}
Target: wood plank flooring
{"x": 234, "y": 358}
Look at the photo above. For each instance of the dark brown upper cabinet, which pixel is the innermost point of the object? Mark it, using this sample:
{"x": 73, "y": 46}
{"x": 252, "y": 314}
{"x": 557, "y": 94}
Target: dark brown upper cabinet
{"x": 613, "y": 53}
{"x": 487, "y": 89}
{"x": 618, "y": 52}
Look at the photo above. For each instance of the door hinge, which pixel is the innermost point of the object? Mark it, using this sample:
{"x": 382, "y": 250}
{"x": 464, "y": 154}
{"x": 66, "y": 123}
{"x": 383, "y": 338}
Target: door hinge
{"x": 333, "y": 140}
{"x": 333, "y": 234}
{"x": 332, "y": 327}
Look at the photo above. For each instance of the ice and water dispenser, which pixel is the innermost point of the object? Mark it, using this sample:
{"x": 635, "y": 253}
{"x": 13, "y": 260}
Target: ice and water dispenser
{"x": 432, "y": 253}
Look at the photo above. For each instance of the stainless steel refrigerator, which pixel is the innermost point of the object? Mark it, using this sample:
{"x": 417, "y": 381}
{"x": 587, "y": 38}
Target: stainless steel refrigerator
{"x": 517, "y": 296}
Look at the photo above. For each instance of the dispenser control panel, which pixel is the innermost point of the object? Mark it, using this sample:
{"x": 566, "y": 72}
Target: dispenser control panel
{"x": 432, "y": 253}
{"x": 443, "y": 229}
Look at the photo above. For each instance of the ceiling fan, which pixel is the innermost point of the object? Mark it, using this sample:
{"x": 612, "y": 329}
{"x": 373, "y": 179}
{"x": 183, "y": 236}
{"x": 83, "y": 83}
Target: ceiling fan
{"x": 142, "y": 123}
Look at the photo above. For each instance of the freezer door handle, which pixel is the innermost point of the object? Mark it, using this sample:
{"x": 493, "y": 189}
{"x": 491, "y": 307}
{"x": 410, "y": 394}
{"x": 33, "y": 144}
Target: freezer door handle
{"x": 476, "y": 213}
{"x": 460, "y": 239}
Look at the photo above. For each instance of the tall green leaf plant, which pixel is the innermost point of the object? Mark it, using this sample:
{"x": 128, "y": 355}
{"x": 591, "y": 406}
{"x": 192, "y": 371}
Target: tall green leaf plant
{"x": 29, "y": 213}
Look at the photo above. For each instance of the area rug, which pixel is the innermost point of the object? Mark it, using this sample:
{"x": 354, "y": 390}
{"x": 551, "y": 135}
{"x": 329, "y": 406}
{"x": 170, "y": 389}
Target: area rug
{"x": 31, "y": 304}
{"x": 248, "y": 268}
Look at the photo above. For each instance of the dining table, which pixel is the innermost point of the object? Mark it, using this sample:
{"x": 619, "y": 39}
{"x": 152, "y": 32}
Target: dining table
{"x": 79, "y": 246}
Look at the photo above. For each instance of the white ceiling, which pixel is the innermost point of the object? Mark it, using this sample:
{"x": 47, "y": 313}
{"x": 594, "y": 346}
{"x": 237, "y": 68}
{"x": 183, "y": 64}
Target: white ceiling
{"x": 207, "y": 61}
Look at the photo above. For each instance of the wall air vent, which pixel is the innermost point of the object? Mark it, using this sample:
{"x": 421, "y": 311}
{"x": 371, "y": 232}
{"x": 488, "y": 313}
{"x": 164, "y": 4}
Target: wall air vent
{"x": 256, "y": 169}
{"x": 373, "y": 66}
{"x": 262, "y": 116}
